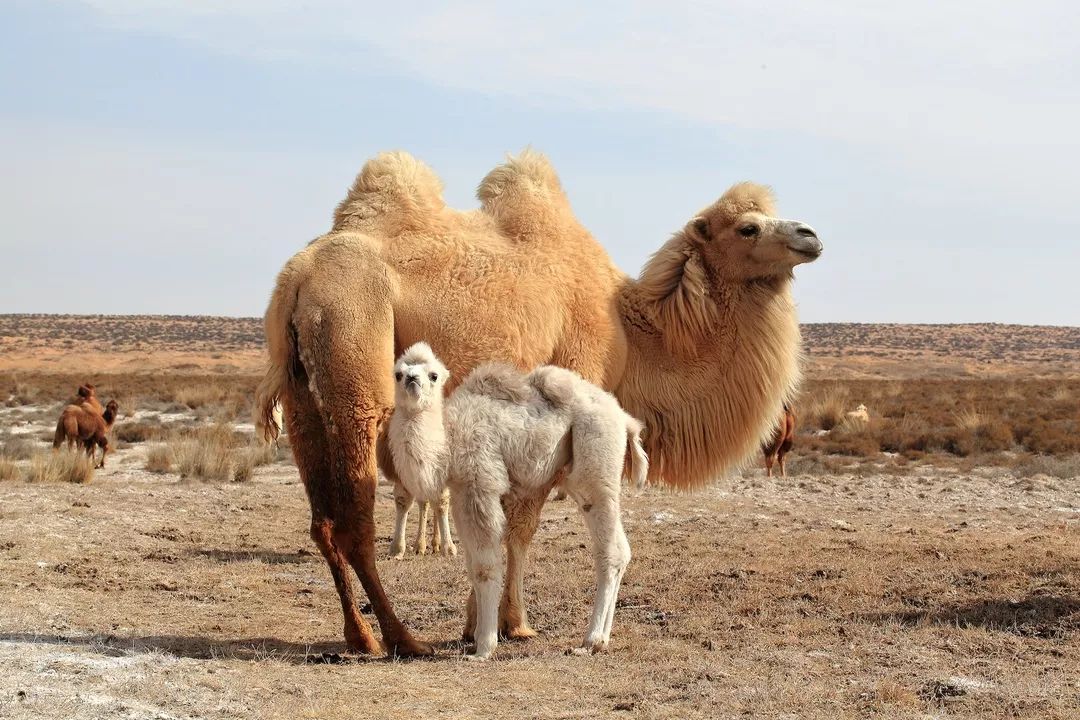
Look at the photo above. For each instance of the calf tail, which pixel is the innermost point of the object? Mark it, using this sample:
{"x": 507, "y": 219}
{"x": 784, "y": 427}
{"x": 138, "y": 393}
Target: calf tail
{"x": 636, "y": 465}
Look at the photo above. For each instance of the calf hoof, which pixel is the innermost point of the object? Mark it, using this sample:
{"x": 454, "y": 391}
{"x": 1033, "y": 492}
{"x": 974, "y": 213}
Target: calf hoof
{"x": 477, "y": 658}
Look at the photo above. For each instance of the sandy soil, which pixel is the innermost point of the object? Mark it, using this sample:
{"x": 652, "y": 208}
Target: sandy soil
{"x": 932, "y": 595}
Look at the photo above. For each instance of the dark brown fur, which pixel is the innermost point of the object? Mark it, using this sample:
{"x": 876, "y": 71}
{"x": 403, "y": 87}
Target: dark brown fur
{"x": 782, "y": 441}
{"x": 80, "y": 424}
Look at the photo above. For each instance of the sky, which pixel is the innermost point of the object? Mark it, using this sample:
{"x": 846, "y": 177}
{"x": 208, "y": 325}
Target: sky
{"x": 168, "y": 156}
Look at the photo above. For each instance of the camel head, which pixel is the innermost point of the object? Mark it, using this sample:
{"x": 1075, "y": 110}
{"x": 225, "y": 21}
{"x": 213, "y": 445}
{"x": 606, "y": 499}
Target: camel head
{"x": 419, "y": 378}
{"x": 86, "y": 391}
{"x": 739, "y": 237}
{"x": 111, "y": 409}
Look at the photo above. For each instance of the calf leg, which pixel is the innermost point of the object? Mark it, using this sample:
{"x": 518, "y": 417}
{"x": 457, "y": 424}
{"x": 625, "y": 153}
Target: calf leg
{"x": 444, "y": 543}
{"x": 480, "y": 522}
{"x": 424, "y": 508}
{"x": 403, "y": 502}
{"x": 611, "y": 554}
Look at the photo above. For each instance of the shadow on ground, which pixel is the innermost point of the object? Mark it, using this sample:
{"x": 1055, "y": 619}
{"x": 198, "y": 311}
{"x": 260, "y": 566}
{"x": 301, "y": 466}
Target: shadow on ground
{"x": 1039, "y": 616}
{"x": 205, "y": 648}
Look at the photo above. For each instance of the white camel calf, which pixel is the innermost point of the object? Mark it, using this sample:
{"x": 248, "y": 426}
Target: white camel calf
{"x": 500, "y": 439}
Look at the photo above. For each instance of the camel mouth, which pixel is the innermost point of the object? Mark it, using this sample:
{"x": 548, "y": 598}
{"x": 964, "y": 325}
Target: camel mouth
{"x": 808, "y": 254}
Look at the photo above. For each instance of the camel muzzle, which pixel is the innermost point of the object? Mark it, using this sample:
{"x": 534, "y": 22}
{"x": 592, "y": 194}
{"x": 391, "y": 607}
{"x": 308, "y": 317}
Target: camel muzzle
{"x": 806, "y": 242}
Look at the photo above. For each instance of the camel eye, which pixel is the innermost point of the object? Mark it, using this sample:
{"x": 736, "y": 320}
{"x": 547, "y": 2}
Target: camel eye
{"x": 434, "y": 377}
{"x": 397, "y": 376}
{"x": 749, "y": 230}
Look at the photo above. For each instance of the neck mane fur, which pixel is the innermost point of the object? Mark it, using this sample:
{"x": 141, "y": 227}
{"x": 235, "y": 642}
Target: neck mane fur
{"x": 420, "y": 450}
{"x": 710, "y": 364}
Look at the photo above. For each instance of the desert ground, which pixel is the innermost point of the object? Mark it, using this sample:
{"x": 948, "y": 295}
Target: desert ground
{"x": 923, "y": 565}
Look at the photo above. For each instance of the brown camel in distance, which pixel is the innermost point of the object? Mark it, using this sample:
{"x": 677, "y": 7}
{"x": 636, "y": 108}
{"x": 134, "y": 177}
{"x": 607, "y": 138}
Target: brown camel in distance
{"x": 80, "y": 424}
{"x": 703, "y": 347}
{"x": 780, "y": 443}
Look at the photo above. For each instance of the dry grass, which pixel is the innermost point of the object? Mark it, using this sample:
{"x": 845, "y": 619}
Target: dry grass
{"x": 995, "y": 421}
{"x": 898, "y": 597}
{"x": 9, "y": 469}
{"x": 159, "y": 459}
{"x": 63, "y": 466}
{"x": 214, "y": 452}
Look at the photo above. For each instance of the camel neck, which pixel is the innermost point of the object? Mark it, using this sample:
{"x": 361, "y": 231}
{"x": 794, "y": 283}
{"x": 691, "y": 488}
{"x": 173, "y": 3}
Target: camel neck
{"x": 704, "y": 404}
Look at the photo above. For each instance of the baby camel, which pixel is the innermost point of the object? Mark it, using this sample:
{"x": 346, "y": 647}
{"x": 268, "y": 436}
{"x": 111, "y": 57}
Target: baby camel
{"x": 500, "y": 440}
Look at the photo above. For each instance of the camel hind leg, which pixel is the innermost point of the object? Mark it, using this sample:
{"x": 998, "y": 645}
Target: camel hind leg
{"x": 312, "y": 459}
{"x": 347, "y": 354}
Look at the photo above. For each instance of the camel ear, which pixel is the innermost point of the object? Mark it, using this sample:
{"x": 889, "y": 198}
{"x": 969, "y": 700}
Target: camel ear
{"x": 699, "y": 228}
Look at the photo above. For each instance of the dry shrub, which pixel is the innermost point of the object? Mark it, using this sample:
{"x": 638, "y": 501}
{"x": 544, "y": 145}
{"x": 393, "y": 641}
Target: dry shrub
{"x": 72, "y": 467}
{"x": 18, "y": 448}
{"x": 249, "y": 458}
{"x": 214, "y": 452}
{"x": 136, "y": 432}
{"x": 1065, "y": 467}
{"x": 205, "y": 453}
{"x": 8, "y": 469}
{"x": 826, "y": 411}
{"x": 159, "y": 459}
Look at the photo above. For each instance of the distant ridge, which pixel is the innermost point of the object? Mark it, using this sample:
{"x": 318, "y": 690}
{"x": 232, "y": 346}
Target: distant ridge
{"x": 227, "y": 344}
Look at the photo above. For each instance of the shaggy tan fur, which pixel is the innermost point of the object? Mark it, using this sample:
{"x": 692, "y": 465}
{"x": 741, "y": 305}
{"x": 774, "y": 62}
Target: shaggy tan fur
{"x": 704, "y": 347}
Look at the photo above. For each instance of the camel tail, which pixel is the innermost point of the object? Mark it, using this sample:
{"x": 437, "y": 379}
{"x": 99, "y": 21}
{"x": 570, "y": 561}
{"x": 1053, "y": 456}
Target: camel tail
{"x": 280, "y": 344}
{"x": 61, "y": 433}
{"x": 636, "y": 467}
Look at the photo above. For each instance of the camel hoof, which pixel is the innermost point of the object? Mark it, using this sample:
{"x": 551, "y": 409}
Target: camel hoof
{"x": 476, "y": 658}
{"x": 449, "y": 551}
{"x": 400, "y": 555}
{"x": 413, "y": 648}
{"x": 522, "y": 632}
{"x": 364, "y": 645}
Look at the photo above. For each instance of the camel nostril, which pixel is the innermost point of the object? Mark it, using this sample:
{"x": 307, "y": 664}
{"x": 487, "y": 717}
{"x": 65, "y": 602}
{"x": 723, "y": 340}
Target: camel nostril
{"x": 806, "y": 231}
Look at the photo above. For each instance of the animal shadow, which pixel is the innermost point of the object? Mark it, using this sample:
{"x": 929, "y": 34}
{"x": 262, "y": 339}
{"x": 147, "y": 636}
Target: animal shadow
{"x": 1038, "y": 616}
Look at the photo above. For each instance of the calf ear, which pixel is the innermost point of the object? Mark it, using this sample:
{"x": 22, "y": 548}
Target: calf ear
{"x": 699, "y": 229}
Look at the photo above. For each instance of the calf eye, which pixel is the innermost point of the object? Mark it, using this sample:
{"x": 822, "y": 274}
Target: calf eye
{"x": 434, "y": 377}
{"x": 749, "y": 230}
{"x": 397, "y": 376}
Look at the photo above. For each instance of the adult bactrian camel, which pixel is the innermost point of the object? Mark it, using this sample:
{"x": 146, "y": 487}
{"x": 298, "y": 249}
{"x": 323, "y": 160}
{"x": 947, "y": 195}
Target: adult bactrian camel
{"x": 703, "y": 347}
